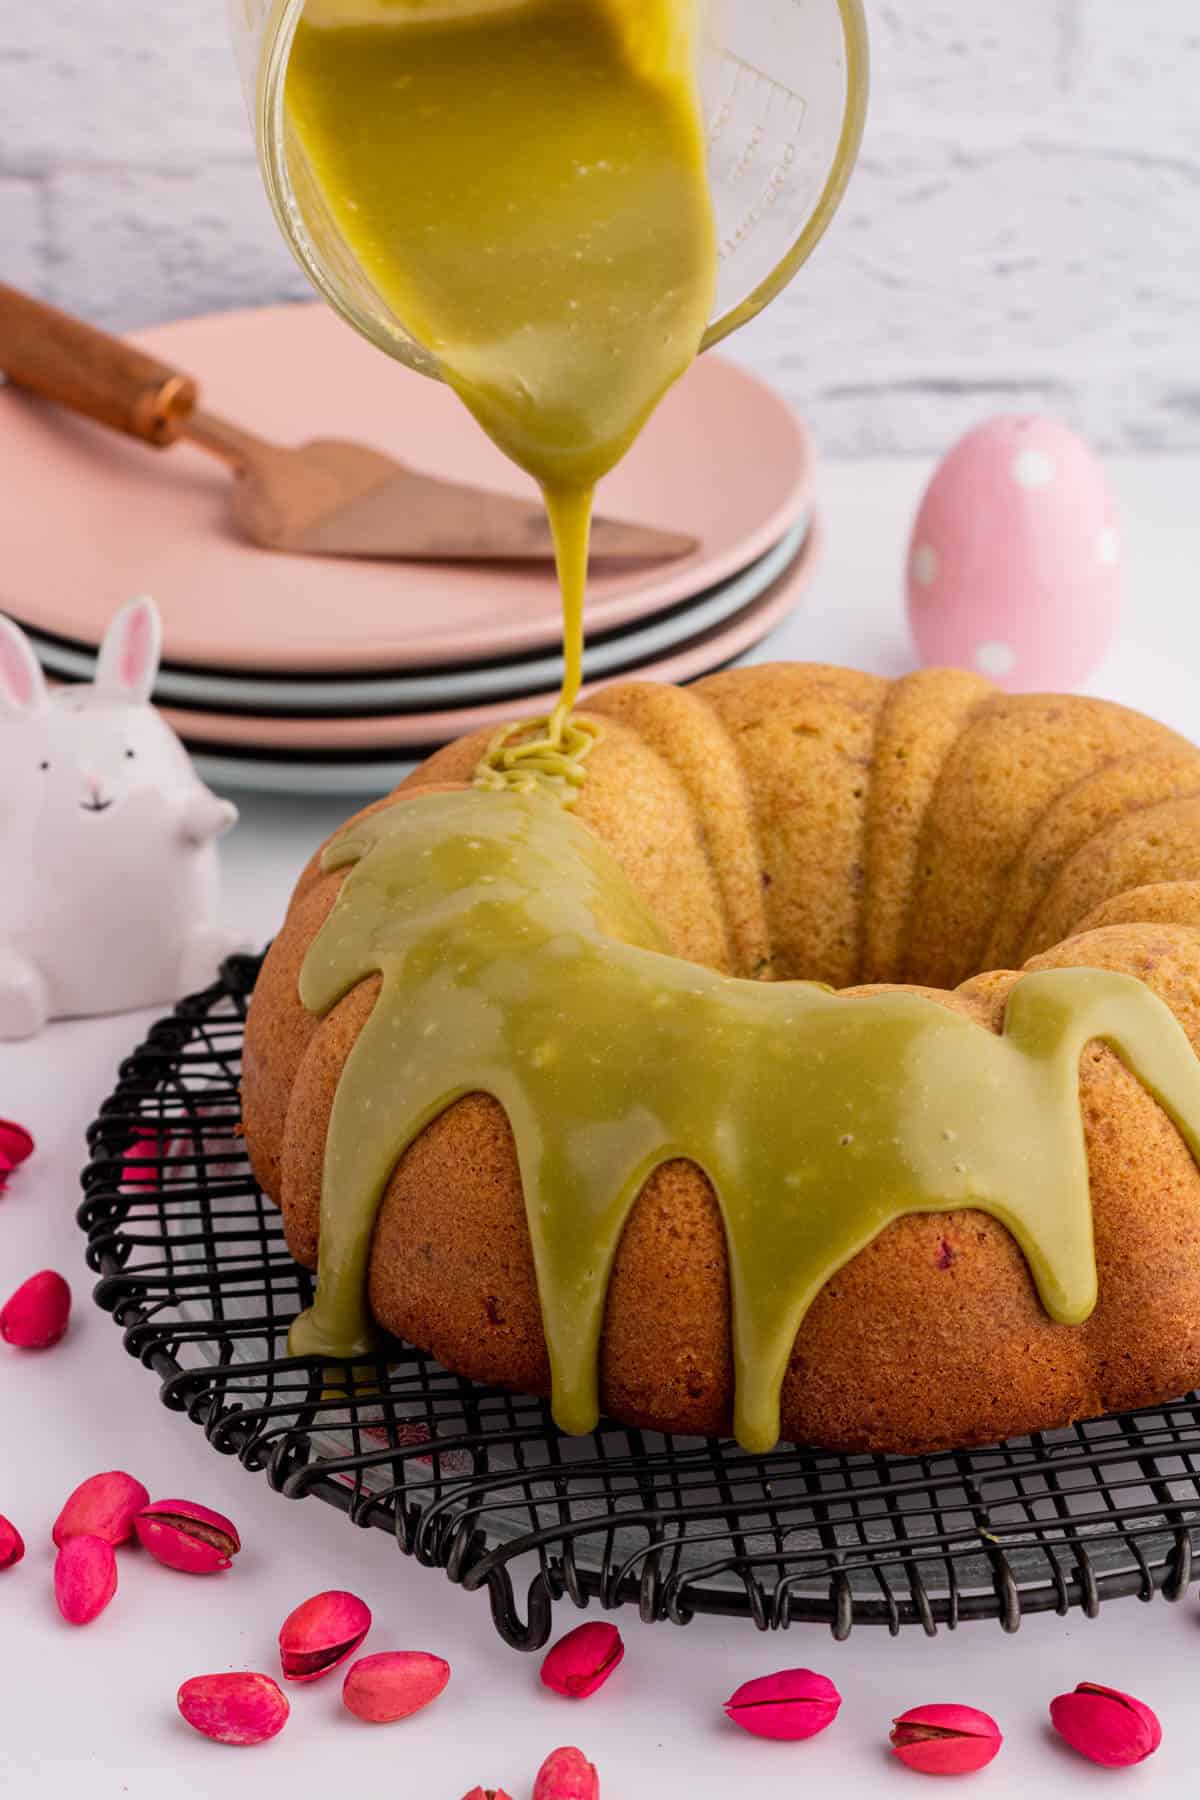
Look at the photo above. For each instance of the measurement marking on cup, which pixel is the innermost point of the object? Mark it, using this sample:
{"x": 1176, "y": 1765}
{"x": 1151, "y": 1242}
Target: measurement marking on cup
{"x": 780, "y": 87}
{"x": 724, "y": 112}
{"x": 748, "y": 154}
{"x": 775, "y": 118}
{"x": 776, "y": 182}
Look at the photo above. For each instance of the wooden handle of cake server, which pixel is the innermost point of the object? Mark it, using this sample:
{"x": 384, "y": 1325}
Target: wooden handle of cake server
{"x": 62, "y": 359}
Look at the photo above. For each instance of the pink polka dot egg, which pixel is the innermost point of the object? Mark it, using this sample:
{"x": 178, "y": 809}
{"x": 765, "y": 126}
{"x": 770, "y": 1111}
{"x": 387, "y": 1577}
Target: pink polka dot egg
{"x": 1015, "y": 565}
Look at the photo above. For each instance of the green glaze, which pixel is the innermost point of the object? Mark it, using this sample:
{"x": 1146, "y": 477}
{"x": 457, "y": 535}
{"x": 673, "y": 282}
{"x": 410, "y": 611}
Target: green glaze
{"x": 530, "y": 758}
{"x": 517, "y": 961}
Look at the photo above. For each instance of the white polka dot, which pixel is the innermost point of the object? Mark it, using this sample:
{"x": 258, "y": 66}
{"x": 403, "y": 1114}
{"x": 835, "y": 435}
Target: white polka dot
{"x": 1108, "y": 546}
{"x": 1033, "y": 469}
{"x": 925, "y": 565}
{"x": 995, "y": 659}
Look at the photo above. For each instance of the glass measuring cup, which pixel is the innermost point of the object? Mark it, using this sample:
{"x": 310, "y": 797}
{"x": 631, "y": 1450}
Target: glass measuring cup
{"x": 784, "y": 85}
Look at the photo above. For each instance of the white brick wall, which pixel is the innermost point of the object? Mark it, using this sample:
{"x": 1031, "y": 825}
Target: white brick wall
{"x": 1024, "y": 229}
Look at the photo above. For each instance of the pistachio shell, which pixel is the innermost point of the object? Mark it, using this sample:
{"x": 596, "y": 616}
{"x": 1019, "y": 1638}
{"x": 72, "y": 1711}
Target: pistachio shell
{"x": 321, "y": 1633}
{"x": 566, "y": 1774}
{"x": 582, "y": 1661}
{"x": 85, "y": 1579}
{"x": 36, "y": 1315}
{"x": 240, "y": 1708}
{"x": 16, "y": 1146}
{"x": 1107, "y": 1726}
{"x": 187, "y": 1536}
{"x": 393, "y": 1685}
{"x": 140, "y": 1167}
{"x": 12, "y": 1544}
{"x": 791, "y": 1705}
{"x": 478, "y": 1793}
{"x": 103, "y": 1506}
{"x": 945, "y": 1739}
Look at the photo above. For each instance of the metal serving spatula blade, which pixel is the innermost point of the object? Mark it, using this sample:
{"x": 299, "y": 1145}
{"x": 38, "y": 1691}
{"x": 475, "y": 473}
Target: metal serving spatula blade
{"x": 327, "y": 498}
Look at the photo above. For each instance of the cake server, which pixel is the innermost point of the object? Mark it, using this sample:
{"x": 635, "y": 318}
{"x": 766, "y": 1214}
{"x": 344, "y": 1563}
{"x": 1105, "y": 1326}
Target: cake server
{"x": 330, "y": 497}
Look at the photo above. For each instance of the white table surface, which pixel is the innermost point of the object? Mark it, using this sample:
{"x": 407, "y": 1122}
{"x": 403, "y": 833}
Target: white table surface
{"x": 92, "y": 1711}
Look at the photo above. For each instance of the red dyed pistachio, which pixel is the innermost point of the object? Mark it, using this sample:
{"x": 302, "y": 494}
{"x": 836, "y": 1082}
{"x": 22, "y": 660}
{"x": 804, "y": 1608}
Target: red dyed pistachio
{"x": 140, "y": 1166}
{"x": 184, "y": 1535}
{"x": 36, "y": 1315}
{"x": 394, "y": 1685}
{"x": 16, "y": 1146}
{"x": 85, "y": 1579}
{"x": 566, "y": 1775}
{"x": 1106, "y": 1726}
{"x": 12, "y": 1544}
{"x": 241, "y": 1708}
{"x": 103, "y": 1506}
{"x": 945, "y": 1740}
{"x": 478, "y": 1793}
{"x": 320, "y": 1634}
{"x": 582, "y": 1661}
{"x": 794, "y": 1704}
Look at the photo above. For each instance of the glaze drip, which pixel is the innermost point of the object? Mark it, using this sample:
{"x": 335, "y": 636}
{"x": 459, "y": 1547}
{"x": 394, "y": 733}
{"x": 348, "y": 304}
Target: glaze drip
{"x": 548, "y": 753}
{"x": 518, "y": 961}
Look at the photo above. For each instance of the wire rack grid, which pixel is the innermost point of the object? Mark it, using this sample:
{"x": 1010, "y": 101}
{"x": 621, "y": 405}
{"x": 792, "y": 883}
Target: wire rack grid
{"x": 193, "y": 1266}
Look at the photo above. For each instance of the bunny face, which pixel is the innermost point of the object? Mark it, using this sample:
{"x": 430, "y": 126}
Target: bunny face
{"x": 90, "y": 767}
{"x": 90, "y": 756}
{"x": 78, "y": 757}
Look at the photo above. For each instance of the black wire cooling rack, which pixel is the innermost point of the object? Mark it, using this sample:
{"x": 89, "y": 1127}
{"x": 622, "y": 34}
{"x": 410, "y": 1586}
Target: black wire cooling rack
{"x": 194, "y": 1268}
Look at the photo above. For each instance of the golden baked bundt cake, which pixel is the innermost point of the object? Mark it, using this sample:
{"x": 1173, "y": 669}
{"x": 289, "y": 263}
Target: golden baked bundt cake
{"x": 864, "y": 1219}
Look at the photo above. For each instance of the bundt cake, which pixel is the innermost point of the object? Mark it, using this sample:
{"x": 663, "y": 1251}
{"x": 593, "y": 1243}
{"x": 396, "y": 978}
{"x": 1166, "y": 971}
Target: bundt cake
{"x": 566, "y": 1093}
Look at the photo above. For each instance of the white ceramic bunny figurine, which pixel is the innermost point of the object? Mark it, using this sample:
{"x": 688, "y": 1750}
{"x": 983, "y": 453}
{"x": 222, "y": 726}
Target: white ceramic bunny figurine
{"x": 107, "y": 839}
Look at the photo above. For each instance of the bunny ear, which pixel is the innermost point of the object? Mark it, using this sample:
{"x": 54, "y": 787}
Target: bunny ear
{"x": 22, "y": 684}
{"x": 129, "y": 654}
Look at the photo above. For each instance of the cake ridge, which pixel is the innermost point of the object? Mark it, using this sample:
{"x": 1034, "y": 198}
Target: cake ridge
{"x": 715, "y": 784}
{"x": 1019, "y": 751}
{"x": 955, "y": 696}
{"x": 810, "y": 805}
{"x": 1142, "y": 780}
{"x": 1157, "y": 902}
{"x": 1134, "y": 851}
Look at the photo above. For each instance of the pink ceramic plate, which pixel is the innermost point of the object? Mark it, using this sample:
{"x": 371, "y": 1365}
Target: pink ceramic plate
{"x": 88, "y": 519}
{"x": 712, "y": 651}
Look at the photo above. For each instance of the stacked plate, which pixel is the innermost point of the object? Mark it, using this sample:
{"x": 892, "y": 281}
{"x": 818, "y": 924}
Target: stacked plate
{"x": 318, "y": 675}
